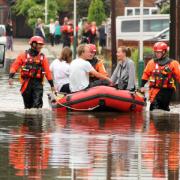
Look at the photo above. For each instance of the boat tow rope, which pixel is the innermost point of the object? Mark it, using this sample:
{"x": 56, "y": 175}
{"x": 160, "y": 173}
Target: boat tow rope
{"x": 55, "y": 98}
{"x": 76, "y": 109}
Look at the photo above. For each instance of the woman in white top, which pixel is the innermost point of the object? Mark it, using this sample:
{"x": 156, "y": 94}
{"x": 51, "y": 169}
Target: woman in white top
{"x": 60, "y": 69}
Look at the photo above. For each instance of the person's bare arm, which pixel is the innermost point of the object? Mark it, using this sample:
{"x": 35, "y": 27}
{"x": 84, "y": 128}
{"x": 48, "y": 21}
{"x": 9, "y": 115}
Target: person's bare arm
{"x": 100, "y": 76}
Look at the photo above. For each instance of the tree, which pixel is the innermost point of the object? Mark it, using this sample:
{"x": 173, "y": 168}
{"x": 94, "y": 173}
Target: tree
{"x": 96, "y": 12}
{"x": 33, "y": 9}
{"x": 164, "y": 6}
{"x": 165, "y": 9}
{"x": 107, "y": 6}
{"x": 82, "y": 8}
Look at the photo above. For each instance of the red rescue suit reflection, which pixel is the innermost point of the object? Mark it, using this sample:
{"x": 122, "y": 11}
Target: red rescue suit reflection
{"x": 29, "y": 151}
{"x": 161, "y": 152}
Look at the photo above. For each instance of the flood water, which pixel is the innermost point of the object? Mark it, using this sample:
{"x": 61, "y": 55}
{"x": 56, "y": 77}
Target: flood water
{"x": 49, "y": 145}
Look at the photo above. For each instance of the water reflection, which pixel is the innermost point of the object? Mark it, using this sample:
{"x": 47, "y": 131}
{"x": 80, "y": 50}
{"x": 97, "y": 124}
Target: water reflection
{"x": 162, "y": 153}
{"x": 96, "y": 146}
{"x": 28, "y": 150}
{"x": 51, "y": 145}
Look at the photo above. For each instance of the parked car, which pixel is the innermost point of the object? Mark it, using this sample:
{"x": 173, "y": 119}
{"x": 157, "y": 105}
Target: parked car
{"x": 2, "y": 34}
{"x": 161, "y": 36}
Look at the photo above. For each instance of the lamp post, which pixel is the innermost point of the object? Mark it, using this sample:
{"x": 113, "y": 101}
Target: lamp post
{"x": 141, "y": 61}
{"x": 74, "y": 32}
{"x": 46, "y": 10}
{"x": 141, "y": 30}
{"x": 113, "y": 34}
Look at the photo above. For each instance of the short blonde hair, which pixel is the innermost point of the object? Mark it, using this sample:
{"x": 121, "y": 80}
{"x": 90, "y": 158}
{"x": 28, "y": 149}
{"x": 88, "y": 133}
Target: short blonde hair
{"x": 81, "y": 49}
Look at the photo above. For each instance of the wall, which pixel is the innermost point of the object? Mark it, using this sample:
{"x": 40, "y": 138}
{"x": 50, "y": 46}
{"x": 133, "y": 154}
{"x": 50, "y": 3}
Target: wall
{"x": 121, "y": 4}
{"x": 4, "y": 12}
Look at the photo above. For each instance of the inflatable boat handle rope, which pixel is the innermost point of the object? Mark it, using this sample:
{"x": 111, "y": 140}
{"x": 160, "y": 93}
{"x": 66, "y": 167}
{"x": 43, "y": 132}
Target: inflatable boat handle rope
{"x": 55, "y": 97}
{"x": 75, "y": 109}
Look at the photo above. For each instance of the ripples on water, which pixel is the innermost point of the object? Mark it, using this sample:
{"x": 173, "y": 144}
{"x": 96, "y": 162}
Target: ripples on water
{"x": 43, "y": 144}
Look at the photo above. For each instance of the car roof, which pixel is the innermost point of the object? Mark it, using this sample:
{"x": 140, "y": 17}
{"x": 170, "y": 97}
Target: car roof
{"x": 164, "y": 30}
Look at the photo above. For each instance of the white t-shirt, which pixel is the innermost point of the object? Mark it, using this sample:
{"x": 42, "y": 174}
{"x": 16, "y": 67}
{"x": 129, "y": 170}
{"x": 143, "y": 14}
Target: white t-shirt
{"x": 60, "y": 70}
{"x": 52, "y": 28}
{"x": 79, "y": 74}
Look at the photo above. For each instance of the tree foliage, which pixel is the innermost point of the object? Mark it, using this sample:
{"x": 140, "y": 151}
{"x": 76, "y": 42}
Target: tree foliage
{"x": 33, "y": 9}
{"x": 165, "y": 9}
{"x": 96, "y": 11}
{"x": 82, "y": 8}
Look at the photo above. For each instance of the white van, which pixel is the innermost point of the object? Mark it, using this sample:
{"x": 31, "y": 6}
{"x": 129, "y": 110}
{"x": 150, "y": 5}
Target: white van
{"x": 128, "y": 27}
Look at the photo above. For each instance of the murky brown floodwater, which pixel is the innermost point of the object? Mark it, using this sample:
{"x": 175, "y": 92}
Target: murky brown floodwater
{"x": 43, "y": 144}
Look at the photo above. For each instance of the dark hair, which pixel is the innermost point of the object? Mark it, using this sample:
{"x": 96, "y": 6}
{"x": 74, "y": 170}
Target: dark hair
{"x": 66, "y": 54}
{"x": 126, "y": 50}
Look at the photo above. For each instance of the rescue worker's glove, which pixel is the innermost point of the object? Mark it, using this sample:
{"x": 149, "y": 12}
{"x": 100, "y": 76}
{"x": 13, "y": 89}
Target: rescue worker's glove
{"x": 10, "y": 81}
{"x": 54, "y": 90}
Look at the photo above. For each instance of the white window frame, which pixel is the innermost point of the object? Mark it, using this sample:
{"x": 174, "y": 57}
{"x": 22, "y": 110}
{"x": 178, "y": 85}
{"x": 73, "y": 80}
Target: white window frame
{"x": 151, "y": 9}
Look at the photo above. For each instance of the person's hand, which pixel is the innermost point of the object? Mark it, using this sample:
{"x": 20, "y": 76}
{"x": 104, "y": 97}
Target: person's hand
{"x": 142, "y": 89}
{"x": 108, "y": 79}
{"x": 110, "y": 82}
{"x": 10, "y": 81}
{"x": 53, "y": 90}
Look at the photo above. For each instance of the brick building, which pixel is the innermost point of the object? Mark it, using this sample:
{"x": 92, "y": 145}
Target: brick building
{"x": 20, "y": 29}
{"x": 121, "y": 4}
{"x": 4, "y": 11}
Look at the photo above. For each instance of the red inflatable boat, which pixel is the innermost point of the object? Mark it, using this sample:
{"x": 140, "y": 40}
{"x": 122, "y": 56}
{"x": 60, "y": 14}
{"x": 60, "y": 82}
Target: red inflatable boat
{"x": 99, "y": 98}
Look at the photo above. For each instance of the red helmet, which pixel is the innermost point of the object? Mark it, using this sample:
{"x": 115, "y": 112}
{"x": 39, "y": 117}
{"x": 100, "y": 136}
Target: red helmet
{"x": 92, "y": 48}
{"x": 160, "y": 46}
{"x": 37, "y": 39}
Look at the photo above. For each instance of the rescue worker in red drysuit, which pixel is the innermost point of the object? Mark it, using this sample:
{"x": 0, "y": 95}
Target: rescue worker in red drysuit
{"x": 89, "y": 33}
{"x": 161, "y": 72}
{"x": 67, "y": 32}
{"x": 33, "y": 67}
{"x": 93, "y": 34}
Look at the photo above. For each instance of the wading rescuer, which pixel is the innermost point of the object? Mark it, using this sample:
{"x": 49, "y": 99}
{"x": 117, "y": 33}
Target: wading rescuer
{"x": 33, "y": 67}
{"x": 161, "y": 72}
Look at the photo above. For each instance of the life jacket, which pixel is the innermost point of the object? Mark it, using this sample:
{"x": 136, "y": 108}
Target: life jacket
{"x": 93, "y": 62}
{"x": 162, "y": 77}
{"x": 67, "y": 29}
{"x": 32, "y": 67}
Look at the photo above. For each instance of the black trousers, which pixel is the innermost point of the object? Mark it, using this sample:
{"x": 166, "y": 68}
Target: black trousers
{"x": 99, "y": 83}
{"x": 162, "y": 100}
{"x": 33, "y": 94}
{"x": 51, "y": 37}
{"x": 57, "y": 39}
{"x": 65, "y": 88}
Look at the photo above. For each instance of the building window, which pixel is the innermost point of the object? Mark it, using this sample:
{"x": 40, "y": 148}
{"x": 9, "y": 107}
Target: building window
{"x": 137, "y": 11}
{"x": 129, "y": 12}
{"x": 132, "y": 11}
